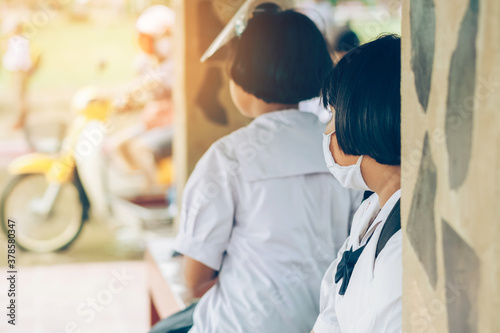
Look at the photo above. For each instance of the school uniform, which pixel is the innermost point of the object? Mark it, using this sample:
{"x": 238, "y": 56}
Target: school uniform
{"x": 369, "y": 298}
{"x": 262, "y": 209}
{"x": 315, "y": 106}
{"x": 18, "y": 57}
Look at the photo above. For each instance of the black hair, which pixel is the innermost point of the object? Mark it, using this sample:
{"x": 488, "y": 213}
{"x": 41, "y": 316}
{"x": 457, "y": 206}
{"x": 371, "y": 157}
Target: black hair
{"x": 266, "y": 7}
{"x": 364, "y": 90}
{"x": 281, "y": 57}
{"x": 346, "y": 41}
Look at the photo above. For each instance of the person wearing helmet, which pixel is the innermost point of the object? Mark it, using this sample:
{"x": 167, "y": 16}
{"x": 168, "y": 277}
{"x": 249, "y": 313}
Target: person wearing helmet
{"x": 154, "y": 36}
{"x": 141, "y": 146}
{"x": 20, "y": 60}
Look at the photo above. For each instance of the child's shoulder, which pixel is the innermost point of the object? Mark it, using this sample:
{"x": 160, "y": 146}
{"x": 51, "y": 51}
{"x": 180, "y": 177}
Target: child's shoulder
{"x": 268, "y": 136}
{"x": 230, "y": 142}
{"x": 225, "y": 148}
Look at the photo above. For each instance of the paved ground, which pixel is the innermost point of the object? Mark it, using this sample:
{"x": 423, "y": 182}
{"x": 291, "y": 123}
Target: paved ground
{"x": 85, "y": 298}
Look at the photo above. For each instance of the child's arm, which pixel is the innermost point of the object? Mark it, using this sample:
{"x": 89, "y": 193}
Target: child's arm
{"x": 199, "y": 277}
{"x": 207, "y": 218}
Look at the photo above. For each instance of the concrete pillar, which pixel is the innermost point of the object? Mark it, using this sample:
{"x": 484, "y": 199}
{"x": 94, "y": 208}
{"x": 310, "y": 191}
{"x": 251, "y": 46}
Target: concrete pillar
{"x": 451, "y": 165}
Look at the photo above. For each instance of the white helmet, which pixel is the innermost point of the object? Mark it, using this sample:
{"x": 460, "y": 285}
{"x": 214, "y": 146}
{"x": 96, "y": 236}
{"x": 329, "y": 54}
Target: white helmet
{"x": 155, "y": 21}
{"x": 12, "y": 24}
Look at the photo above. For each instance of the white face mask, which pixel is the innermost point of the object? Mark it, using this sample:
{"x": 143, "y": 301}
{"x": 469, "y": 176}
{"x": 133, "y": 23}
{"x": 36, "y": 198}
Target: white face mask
{"x": 163, "y": 47}
{"x": 348, "y": 176}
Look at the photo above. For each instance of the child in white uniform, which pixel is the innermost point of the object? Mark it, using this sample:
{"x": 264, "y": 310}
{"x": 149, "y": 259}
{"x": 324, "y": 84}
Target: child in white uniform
{"x": 20, "y": 60}
{"x": 361, "y": 291}
{"x": 262, "y": 217}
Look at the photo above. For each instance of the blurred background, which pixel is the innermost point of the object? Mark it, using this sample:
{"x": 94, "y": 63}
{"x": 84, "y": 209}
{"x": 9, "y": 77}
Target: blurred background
{"x": 66, "y": 47}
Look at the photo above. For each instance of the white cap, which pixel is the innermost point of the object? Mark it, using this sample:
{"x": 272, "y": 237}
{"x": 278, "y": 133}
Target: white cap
{"x": 155, "y": 20}
{"x": 11, "y": 24}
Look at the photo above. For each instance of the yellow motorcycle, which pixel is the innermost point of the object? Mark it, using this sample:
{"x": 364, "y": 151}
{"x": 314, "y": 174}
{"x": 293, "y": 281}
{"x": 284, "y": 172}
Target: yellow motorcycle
{"x": 50, "y": 196}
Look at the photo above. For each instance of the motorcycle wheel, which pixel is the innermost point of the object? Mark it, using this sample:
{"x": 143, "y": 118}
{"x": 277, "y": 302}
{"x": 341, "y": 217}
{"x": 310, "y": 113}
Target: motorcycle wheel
{"x": 43, "y": 232}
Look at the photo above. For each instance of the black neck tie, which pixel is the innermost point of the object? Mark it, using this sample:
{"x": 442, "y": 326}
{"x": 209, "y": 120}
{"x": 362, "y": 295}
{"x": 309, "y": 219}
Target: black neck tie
{"x": 346, "y": 266}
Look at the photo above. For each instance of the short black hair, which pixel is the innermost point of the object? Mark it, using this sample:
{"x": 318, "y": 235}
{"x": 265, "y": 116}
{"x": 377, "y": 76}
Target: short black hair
{"x": 346, "y": 41}
{"x": 281, "y": 57}
{"x": 364, "y": 90}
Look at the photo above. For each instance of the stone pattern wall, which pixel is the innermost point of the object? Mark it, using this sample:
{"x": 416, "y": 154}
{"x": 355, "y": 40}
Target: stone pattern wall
{"x": 451, "y": 165}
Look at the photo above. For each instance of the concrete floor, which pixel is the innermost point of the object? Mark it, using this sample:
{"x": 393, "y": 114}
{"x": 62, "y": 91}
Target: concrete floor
{"x": 84, "y": 298}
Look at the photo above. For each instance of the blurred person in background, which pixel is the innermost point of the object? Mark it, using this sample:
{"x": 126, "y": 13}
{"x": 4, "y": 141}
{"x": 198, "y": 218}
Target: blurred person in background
{"x": 261, "y": 215}
{"x": 21, "y": 61}
{"x": 321, "y": 13}
{"x": 345, "y": 41}
{"x": 141, "y": 146}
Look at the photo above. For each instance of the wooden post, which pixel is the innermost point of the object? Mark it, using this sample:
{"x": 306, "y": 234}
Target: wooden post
{"x": 204, "y": 110}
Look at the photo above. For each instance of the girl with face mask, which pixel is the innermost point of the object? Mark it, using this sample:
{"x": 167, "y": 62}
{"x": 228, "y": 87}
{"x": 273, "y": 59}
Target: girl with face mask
{"x": 361, "y": 291}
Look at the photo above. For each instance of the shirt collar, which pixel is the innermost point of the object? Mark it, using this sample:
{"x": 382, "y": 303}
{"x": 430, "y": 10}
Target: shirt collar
{"x": 281, "y": 144}
{"x": 383, "y": 214}
{"x": 371, "y": 211}
{"x": 387, "y": 209}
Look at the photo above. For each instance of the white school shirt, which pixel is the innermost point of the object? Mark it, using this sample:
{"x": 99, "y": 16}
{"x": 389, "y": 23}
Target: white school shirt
{"x": 262, "y": 208}
{"x": 17, "y": 57}
{"x": 315, "y": 105}
{"x": 372, "y": 301}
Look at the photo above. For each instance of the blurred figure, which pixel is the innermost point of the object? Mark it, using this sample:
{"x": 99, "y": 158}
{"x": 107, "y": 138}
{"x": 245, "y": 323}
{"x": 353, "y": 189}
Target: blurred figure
{"x": 80, "y": 10}
{"x": 321, "y": 13}
{"x": 345, "y": 41}
{"x": 20, "y": 60}
{"x": 142, "y": 146}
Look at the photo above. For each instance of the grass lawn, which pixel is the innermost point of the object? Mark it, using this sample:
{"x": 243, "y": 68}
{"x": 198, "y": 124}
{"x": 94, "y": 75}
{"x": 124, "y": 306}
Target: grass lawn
{"x": 70, "y": 56}
{"x": 368, "y": 30}
{"x": 71, "y": 53}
